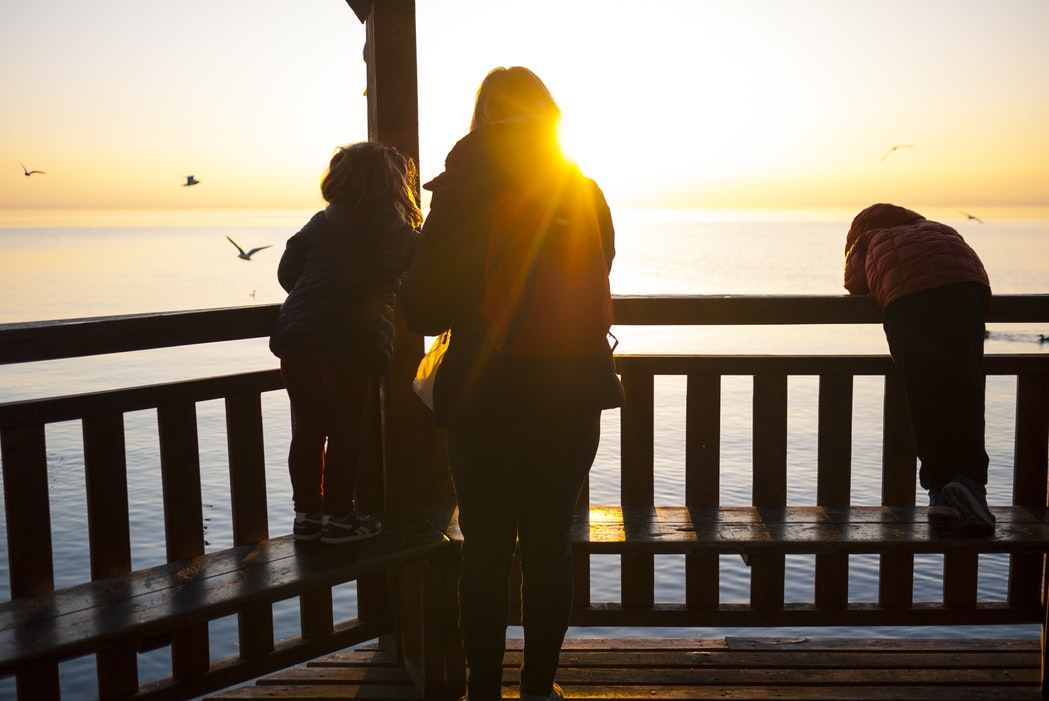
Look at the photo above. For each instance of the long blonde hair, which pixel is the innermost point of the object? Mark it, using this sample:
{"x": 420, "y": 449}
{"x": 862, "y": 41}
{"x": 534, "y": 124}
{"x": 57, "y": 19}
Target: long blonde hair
{"x": 370, "y": 172}
{"x": 508, "y": 93}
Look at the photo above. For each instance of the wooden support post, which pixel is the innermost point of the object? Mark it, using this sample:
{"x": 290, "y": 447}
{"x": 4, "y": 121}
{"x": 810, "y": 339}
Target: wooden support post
{"x": 834, "y": 481}
{"x": 637, "y": 481}
{"x": 412, "y": 477}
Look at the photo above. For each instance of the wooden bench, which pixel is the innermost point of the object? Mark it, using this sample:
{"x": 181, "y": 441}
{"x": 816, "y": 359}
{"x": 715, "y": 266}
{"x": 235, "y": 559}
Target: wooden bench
{"x": 150, "y": 607}
{"x": 764, "y": 536}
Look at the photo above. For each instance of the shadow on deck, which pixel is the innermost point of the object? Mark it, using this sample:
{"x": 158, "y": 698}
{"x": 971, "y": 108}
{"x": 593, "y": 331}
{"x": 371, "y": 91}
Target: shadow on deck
{"x": 719, "y": 668}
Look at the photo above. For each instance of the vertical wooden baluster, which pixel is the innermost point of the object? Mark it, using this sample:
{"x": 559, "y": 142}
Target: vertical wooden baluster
{"x": 373, "y": 600}
{"x": 247, "y": 479}
{"x": 29, "y": 555}
{"x": 834, "y": 481}
{"x": 702, "y": 481}
{"x": 1030, "y": 458}
{"x": 767, "y": 571}
{"x": 183, "y": 520}
{"x": 109, "y": 536}
{"x": 896, "y": 570}
{"x": 1030, "y": 467}
{"x": 637, "y": 480}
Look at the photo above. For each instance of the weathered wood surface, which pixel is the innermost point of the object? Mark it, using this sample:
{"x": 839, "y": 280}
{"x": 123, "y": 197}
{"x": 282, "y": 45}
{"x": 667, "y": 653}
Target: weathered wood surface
{"x": 80, "y": 619}
{"x": 795, "y": 669}
{"x": 790, "y": 530}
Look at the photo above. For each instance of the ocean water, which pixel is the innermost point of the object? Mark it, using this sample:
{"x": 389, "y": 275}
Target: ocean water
{"x": 85, "y": 264}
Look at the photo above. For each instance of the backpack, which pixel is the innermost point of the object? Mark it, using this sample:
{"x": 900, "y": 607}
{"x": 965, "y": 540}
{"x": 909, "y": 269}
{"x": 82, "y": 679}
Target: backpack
{"x": 546, "y": 292}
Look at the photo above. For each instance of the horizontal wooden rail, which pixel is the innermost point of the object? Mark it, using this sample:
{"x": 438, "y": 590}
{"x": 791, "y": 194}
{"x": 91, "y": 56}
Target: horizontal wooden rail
{"x": 72, "y": 338}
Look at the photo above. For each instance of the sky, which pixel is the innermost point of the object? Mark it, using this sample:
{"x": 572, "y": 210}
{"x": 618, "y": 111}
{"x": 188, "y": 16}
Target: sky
{"x": 688, "y": 104}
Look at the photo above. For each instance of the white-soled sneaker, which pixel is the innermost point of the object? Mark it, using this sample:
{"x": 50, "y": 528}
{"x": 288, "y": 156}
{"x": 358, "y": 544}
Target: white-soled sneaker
{"x": 970, "y": 499}
{"x": 353, "y": 526}
{"x": 308, "y": 526}
{"x": 939, "y": 507}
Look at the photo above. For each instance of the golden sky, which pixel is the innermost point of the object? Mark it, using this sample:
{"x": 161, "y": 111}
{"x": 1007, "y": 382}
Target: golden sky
{"x": 685, "y": 104}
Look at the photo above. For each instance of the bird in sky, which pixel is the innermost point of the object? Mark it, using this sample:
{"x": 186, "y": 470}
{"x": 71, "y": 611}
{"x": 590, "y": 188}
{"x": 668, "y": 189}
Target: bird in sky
{"x": 190, "y": 180}
{"x": 30, "y": 172}
{"x": 893, "y": 149}
{"x": 973, "y": 217}
{"x": 242, "y": 254}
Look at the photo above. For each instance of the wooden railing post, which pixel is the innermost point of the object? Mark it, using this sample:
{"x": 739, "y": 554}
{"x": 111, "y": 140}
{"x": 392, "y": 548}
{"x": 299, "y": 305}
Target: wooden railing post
{"x": 833, "y": 481}
{"x": 29, "y": 558}
{"x": 769, "y": 483}
{"x": 637, "y": 481}
{"x": 896, "y": 572}
{"x": 109, "y": 536}
{"x": 247, "y": 478}
{"x": 702, "y": 481}
{"x": 183, "y": 521}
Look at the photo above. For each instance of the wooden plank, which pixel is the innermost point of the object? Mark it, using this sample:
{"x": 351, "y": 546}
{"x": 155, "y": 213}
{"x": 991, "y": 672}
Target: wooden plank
{"x": 834, "y": 441}
{"x": 801, "y": 614}
{"x": 47, "y": 340}
{"x": 73, "y": 407}
{"x": 732, "y": 668}
{"x": 896, "y": 570}
{"x": 833, "y": 480}
{"x": 75, "y": 338}
{"x": 28, "y": 510}
{"x": 637, "y": 480}
{"x": 702, "y": 481}
{"x": 109, "y": 537}
{"x": 247, "y": 478}
{"x": 183, "y": 522}
{"x": 703, "y": 440}
{"x": 1030, "y": 465}
{"x": 721, "y": 310}
{"x": 247, "y": 468}
{"x": 960, "y": 579}
{"x": 768, "y": 569}
{"x": 79, "y": 619}
{"x": 798, "y": 529}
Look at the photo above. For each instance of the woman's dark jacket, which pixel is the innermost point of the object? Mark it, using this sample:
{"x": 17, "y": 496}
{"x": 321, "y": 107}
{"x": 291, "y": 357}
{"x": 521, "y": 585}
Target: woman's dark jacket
{"x": 342, "y": 272}
{"x": 445, "y": 282}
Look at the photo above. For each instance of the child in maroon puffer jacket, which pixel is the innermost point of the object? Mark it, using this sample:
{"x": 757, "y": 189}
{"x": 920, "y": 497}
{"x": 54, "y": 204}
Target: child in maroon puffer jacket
{"x": 934, "y": 294}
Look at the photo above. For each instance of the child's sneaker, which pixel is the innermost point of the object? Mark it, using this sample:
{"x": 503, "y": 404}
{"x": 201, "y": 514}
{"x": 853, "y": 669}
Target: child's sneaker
{"x": 939, "y": 507}
{"x": 308, "y": 526}
{"x": 971, "y": 501}
{"x": 352, "y": 526}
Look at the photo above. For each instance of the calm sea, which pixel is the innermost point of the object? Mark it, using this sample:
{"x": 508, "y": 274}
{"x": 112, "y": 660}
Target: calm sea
{"x": 82, "y": 264}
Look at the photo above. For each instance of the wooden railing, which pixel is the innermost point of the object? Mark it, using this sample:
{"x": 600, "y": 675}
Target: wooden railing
{"x": 119, "y": 611}
{"x": 30, "y": 540}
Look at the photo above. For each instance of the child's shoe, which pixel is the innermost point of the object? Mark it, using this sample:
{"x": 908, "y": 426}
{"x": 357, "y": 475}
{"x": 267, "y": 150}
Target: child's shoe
{"x": 307, "y": 526}
{"x": 970, "y": 499}
{"x": 352, "y": 526}
{"x": 939, "y": 507}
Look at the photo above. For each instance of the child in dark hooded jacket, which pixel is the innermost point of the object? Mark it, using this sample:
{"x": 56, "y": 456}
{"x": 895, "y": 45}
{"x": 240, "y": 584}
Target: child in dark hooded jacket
{"x": 334, "y": 333}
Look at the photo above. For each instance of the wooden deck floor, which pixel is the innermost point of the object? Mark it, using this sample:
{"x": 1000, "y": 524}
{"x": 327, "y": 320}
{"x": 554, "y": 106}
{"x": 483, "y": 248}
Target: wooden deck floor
{"x": 792, "y": 669}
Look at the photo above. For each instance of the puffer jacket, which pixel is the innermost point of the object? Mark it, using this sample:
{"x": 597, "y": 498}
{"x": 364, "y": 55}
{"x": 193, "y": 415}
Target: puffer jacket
{"x": 444, "y": 286}
{"x": 342, "y": 272}
{"x": 891, "y": 262}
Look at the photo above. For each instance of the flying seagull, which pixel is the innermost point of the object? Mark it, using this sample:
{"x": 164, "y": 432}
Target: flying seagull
{"x": 897, "y": 146}
{"x": 190, "y": 180}
{"x": 30, "y": 172}
{"x": 249, "y": 254}
{"x": 973, "y": 217}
